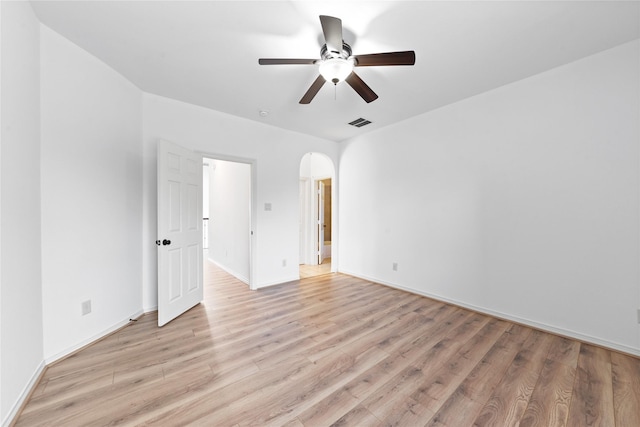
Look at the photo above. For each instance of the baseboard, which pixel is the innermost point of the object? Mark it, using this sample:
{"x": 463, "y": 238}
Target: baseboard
{"x": 235, "y": 274}
{"x": 526, "y": 322}
{"x": 24, "y": 395}
{"x": 279, "y": 282}
{"x": 84, "y": 343}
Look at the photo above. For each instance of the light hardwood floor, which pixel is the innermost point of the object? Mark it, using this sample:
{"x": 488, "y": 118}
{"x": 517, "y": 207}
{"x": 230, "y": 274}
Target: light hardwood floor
{"x": 307, "y": 271}
{"x": 335, "y": 350}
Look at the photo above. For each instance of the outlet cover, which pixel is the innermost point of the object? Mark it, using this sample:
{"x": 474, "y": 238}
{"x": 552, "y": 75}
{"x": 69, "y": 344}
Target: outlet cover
{"x": 86, "y": 307}
{"x": 395, "y": 266}
{"x": 284, "y": 262}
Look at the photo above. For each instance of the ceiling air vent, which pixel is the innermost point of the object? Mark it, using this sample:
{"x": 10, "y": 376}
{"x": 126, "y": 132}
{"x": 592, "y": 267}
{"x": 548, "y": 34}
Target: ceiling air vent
{"x": 359, "y": 122}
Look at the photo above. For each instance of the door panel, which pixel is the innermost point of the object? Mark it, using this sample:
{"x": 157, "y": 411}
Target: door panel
{"x": 175, "y": 274}
{"x": 179, "y": 231}
{"x": 193, "y": 263}
{"x": 194, "y": 217}
{"x": 175, "y": 221}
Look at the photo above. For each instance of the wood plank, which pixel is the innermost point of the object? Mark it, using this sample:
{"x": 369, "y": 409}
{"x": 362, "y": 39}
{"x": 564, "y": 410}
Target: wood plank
{"x": 592, "y": 401}
{"x": 358, "y": 416}
{"x": 314, "y": 391}
{"x": 406, "y": 412}
{"x": 370, "y": 380}
{"x": 626, "y": 389}
{"x": 549, "y": 403}
{"x": 511, "y": 396}
{"x": 395, "y": 394}
{"x": 330, "y": 409}
{"x": 463, "y": 406}
{"x": 445, "y": 377}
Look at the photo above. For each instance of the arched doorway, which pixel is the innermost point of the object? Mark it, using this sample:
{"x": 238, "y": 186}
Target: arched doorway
{"x": 317, "y": 179}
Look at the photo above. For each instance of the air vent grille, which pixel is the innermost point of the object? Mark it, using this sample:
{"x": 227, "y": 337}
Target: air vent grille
{"x": 360, "y": 122}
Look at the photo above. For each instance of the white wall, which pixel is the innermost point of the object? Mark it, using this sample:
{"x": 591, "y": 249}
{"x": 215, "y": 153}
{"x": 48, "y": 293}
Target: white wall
{"x": 277, "y": 154}
{"x": 20, "y": 274}
{"x": 316, "y": 166}
{"x": 522, "y": 201}
{"x": 91, "y": 195}
{"x": 229, "y": 216}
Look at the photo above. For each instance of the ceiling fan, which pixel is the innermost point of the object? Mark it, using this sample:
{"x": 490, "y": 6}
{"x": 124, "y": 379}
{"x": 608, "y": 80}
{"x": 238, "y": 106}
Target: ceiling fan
{"x": 337, "y": 62}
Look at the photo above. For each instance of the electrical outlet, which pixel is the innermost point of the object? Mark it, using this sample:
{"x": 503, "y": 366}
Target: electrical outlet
{"x": 86, "y": 307}
{"x": 395, "y": 266}
{"x": 284, "y": 262}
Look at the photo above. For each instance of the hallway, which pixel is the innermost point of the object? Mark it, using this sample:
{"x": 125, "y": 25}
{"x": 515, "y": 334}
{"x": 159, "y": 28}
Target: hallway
{"x": 307, "y": 271}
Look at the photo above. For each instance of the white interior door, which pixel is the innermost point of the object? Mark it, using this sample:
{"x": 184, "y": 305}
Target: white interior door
{"x": 179, "y": 230}
{"x": 320, "y": 222}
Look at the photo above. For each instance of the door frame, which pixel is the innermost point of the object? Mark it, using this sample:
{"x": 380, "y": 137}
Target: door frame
{"x": 305, "y": 220}
{"x": 253, "y": 165}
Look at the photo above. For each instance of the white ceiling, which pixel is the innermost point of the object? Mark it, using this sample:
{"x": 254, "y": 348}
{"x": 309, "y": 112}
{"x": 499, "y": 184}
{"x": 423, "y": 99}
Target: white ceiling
{"x": 206, "y": 52}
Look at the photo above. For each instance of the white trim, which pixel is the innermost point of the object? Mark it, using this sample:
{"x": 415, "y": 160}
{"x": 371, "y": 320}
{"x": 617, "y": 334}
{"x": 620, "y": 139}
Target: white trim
{"x": 537, "y": 325}
{"x": 304, "y": 201}
{"x": 24, "y": 394}
{"x": 280, "y": 282}
{"x": 238, "y": 276}
{"x": 51, "y": 359}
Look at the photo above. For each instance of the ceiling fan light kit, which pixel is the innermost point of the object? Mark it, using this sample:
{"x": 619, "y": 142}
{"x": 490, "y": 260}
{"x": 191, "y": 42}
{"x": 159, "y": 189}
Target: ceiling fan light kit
{"x": 336, "y": 70}
{"x": 337, "y": 63}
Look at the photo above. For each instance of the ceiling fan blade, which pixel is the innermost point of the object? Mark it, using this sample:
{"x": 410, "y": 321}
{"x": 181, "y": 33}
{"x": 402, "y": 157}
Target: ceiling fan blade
{"x": 361, "y": 87}
{"x": 313, "y": 90}
{"x": 332, "y": 29}
{"x": 389, "y": 58}
{"x": 285, "y": 61}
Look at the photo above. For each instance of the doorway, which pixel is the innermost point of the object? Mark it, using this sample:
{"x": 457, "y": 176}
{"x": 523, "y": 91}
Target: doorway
{"x": 316, "y": 215}
{"x": 180, "y": 235}
{"x": 227, "y": 216}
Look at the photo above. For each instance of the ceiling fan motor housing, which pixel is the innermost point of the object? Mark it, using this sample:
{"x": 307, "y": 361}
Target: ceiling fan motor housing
{"x": 325, "y": 53}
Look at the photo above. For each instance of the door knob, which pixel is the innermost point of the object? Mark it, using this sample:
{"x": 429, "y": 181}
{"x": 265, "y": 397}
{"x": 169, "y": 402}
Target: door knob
{"x": 166, "y": 242}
